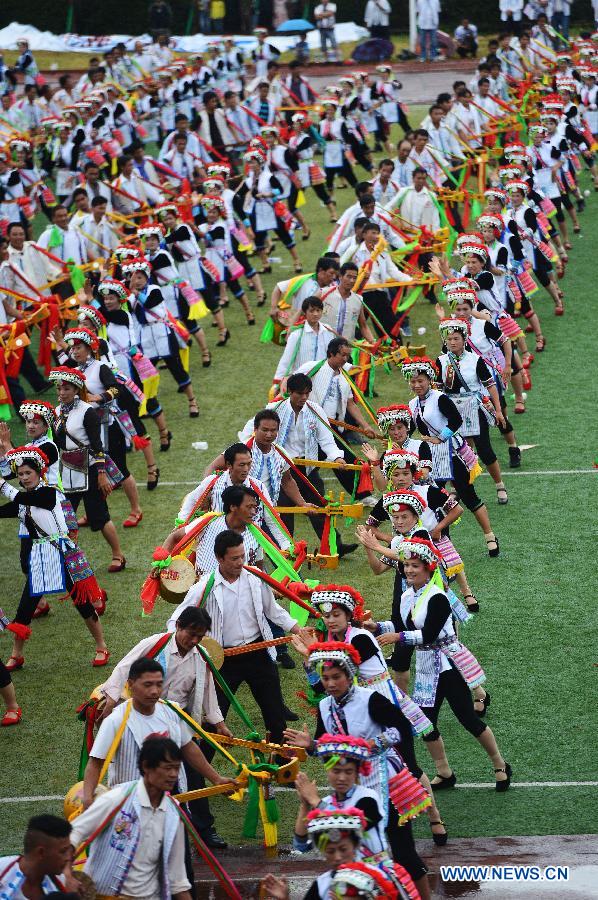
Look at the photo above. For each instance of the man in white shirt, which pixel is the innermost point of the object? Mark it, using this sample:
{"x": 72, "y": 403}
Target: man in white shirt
{"x": 101, "y": 237}
{"x": 416, "y": 204}
{"x": 62, "y": 240}
{"x": 94, "y": 186}
{"x": 241, "y": 606}
{"x": 296, "y": 290}
{"x": 425, "y": 156}
{"x": 189, "y": 683}
{"x": 403, "y": 166}
{"x": 141, "y": 852}
{"x": 441, "y": 138}
{"x": 343, "y": 308}
{"x": 304, "y": 342}
{"x": 428, "y": 13}
{"x": 39, "y": 869}
{"x": 377, "y": 18}
{"x": 383, "y": 186}
{"x": 325, "y": 16}
{"x": 376, "y": 298}
{"x": 145, "y": 716}
{"x": 130, "y": 192}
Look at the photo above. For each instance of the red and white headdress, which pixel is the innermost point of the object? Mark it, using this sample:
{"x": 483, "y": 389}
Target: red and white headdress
{"x": 398, "y": 501}
{"x": 358, "y": 879}
{"x": 329, "y": 101}
{"x": 506, "y": 173}
{"x": 326, "y": 596}
{"x": 124, "y": 251}
{"x": 517, "y": 184}
{"x": 164, "y": 208}
{"x": 389, "y": 415}
{"x": 493, "y": 220}
{"x": 20, "y": 144}
{"x": 90, "y": 313}
{"x": 466, "y": 237}
{"x": 213, "y": 201}
{"x": 475, "y": 248}
{"x": 336, "y": 822}
{"x": 219, "y": 169}
{"x": 155, "y": 230}
{"x": 84, "y": 336}
{"x": 496, "y": 193}
{"x": 326, "y": 654}
{"x": 137, "y": 265}
{"x": 254, "y": 156}
{"x": 536, "y": 129}
{"x": 456, "y": 289}
{"x": 342, "y": 747}
{"x": 451, "y": 324}
{"x": 29, "y": 455}
{"x": 113, "y": 286}
{"x": 417, "y": 547}
{"x": 416, "y": 365}
{"x": 399, "y": 459}
{"x": 213, "y": 181}
{"x": 29, "y": 409}
{"x": 72, "y": 376}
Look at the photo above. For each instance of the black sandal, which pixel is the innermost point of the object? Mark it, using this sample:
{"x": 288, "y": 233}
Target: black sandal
{"x": 502, "y": 786}
{"x": 193, "y": 409}
{"x": 445, "y": 782}
{"x": 487, "y": 700}
{"x": 153, "y": 470}
{"x": 223, "y": 337}
{"x": 471, "y": 607}
{"x": 261, "y": 300}
{"x": 206, "y": 359}
{"x": 165, "y": 441}
{"x": 494, "y": 550}
{"x": 439, "y": 839}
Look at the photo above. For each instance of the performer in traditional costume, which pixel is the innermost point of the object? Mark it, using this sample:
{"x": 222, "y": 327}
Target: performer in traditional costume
{"x": 52, "y": 561}
{"x": 445, "y": 668}
{"x": 438, "y": 421}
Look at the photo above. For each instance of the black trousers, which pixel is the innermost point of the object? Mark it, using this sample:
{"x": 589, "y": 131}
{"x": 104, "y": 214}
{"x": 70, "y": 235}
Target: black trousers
{"x": 316, "y": 522}
{"x": 30, "y": 371}
{"x": 96, "y": 508}
{"x": 452, "y": 688}
{"x": 5, "y": 678}
{"x": 378, "y": 303}
{"x": 465, "y": 491}
{"x": 482, "y": 442}
{"x": 259, "y": 672}
{"x": 402, "y": 845}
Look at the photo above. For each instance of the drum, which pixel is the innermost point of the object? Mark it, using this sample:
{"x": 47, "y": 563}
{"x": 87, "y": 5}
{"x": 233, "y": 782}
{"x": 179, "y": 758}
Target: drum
{"x": 214, "y": 650}
{"x": 176, "y": 579}
{"x": 73, "y": 802}
{"x": 468, "y": 406}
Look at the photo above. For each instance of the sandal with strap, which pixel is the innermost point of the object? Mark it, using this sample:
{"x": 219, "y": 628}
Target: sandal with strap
{"x": 439, "y": 839}
{"x": 14, "y": 663}
{"x": 250, "y": 319}
{"x": 444, "y": 782}
{"x": 153, "y": 477}
{"x": 120, "y": 564}
{"x": 527, "y": 360}
{"x": 133, "y": 520}
{"x": 265, "y": 270}
{"x": 505, "y": 783}
{"x": 261, "y": 299}
{"x": 165, "y": 439}
{"x": 501, "y": 495}
{"x": 471, "y": 607}
{"x": 306, "y": 233}
{"x": 559, "y": 308}
{"x": 11, "y": 717}
{"x": 223, "y": 337}
{"x": 492, "y": 545}
{"x": 101, "y": 658}
{"x": 298, "y": 269}
{"x": 540, "y": 344}
{"x": 193, "y": 409}
{"x": 519, "y": 407}
{"x": 206, "y": 359}
{"x": 486, "y": 701}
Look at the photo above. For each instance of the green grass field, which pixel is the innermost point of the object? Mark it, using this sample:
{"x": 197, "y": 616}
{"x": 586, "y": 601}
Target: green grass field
{"x": 535, "y": 635}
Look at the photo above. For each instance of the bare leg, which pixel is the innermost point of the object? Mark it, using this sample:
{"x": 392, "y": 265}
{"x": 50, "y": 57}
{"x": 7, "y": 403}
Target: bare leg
{"x": 111, "y": 537}
{"x": 463, "y": 583}
{"x": 401, "y": 679}
{"x": 494, "y": 471}
{"x": 433, "y": 813}
{"x": 10, "y": 698}
{"x": 488, "y": 742}
{"x": 130, "y": 488}
{"x": 517, "y": 385}
{"x": 423, "y": 886}
{"x": 148, "y": 453}
{"x": 160, "y": 421}
{"x": 438, "y": 754}
{"x": 200, "y": 339}
{"x": 332, "y": 209}
{"x": 246, "y": 307}
{"x": 188, "y": 391}
{"x": 295, "y": 257}
{"x": 94, "y": 626}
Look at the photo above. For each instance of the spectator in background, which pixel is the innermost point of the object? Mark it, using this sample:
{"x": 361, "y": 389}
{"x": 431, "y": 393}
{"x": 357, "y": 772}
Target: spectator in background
{"x": 466, "y": 39}
{"x": 302, "y": 50}
{"x": 160, "y": 17}
{"x": 428, "y": 13}
{"x": 377, "y": 18}
{"x": 535, "y": 8}
{"x": 561, "y": 11}
{"x": 203, "y": 12}
{"x": 511, "y": 12}
{"x": 325, "y": 16}
{"x": 217, "y": 14}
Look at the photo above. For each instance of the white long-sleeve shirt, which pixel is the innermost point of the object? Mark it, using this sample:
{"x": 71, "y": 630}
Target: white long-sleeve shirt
{"x": 303, "y": 344}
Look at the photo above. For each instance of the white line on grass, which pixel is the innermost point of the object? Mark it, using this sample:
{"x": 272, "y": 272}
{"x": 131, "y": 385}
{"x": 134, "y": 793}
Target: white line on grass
{"x": 42, "y": 798}
{"x": 537, "y": 472}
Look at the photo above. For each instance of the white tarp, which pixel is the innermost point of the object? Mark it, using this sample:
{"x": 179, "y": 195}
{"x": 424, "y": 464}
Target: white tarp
{"x": 82, "y": 43}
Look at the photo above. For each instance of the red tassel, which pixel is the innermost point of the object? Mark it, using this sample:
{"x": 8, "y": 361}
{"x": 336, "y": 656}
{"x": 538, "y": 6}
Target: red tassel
{"x": 22, "y": 632}
{"x": 149, "y": 594}
{"x": 365, "y": 484}
{"x": 140, "y": 442}
{"x": 88, "y": 591}
{"x": 325, "y": 539}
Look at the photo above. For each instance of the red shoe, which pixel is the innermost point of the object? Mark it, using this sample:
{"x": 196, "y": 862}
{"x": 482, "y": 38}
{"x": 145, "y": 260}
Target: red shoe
{"x": 101, "y": 658}
{"x": 559, "y": 310}
{"x": 527, "y": 380}
{"x": 528, "y": 360}
{"x": 11, "y": 717}
{"x": 133, "y": 520}
{"x": 15, "y": 662}
{"x": 42, "y": 609}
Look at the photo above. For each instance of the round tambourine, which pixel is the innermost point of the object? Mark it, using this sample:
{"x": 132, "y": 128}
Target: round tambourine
{"x": 176, "y": 579}
{"x": 214, "y": 649}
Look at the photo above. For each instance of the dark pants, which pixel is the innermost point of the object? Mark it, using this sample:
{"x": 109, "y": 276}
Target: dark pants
{"x": 30, "y": 371}
{"x": 379, "y": 305}
{"x": 259, "y": 672}
{"x": 28, "y": 603}
{"x": 402, "y": 845}
{"x": 452, "y": 688}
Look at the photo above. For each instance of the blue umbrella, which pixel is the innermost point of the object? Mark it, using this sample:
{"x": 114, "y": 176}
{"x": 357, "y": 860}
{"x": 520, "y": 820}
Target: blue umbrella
{"x": 294, "y": 26}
